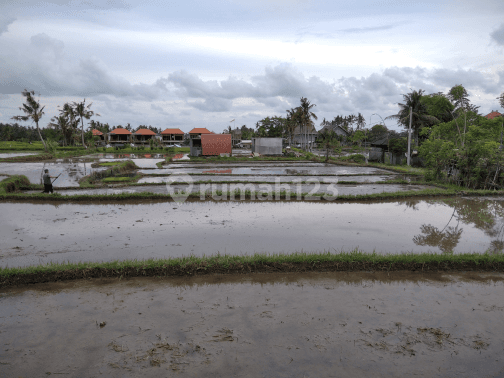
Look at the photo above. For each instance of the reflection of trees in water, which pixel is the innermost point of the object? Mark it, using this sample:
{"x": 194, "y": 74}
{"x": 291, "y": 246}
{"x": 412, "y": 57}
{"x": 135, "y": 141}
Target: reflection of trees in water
{"x": 486, "y": 215}
{"x": 446, "y": 240}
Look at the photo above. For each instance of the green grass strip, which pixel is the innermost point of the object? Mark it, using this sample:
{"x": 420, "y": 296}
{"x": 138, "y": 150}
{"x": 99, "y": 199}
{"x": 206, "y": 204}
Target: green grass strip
{"x": 225, "y": 263}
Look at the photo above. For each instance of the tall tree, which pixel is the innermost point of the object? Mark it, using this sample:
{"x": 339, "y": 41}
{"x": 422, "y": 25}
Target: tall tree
{"x": 307, "y": 115}
{"x": 33, "y": 111}
{"x": 83, "y": 111}
{"x": 421, "y": 117}
{"x": 72, "y": 121}
{"x": 501, "y": 99}
{"x": 361, "y": 122}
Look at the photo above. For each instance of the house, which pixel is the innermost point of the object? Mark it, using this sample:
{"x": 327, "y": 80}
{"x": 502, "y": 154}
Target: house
{"x": 99, "y": 135}
{"x": 267, "y": 146}
{"x": 303, "y": 135}
{"x": 172, "y": 136}
{"x": 216, "y": 144}
{"x": 142, "y": 136}
{"x": 119, "y": 136}
{"x": 195, "y": 140}
{"x": 493, "y": 114}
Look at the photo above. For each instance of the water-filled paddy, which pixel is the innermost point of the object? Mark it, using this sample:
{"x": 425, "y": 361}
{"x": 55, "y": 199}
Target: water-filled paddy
{"x": 298, "y": 169}
{"x": 71, "y": 171}
{"x": 40, "y": 233}
{"x": 332, "y": 189}
{"x": 4, "y": 155}
{"x": 272, "y": 179}
{"x": 260, "y": 325}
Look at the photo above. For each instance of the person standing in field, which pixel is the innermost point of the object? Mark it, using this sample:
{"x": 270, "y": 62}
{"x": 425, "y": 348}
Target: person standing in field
{"x": 47, "y": 182}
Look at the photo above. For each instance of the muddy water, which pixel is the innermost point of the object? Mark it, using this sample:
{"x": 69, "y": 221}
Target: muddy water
{"x": 71, "y": 171}
{"x": 14, "y": 154}
{"x": 269, "y": 325}
{"x": 271, "y": 170}
{"x": 40, "y": 233}
{"x": 141, "y": 163}
{"x": 3, "y": 177}
{"x": 263, "y": 188}
{"x": 322, "y": 179}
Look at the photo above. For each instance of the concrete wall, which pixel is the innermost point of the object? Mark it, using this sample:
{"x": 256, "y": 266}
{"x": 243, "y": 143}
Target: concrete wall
{"x": 267, "y": 146}
{"x": 216, "y": 144}
{"x": 376, "y": 154}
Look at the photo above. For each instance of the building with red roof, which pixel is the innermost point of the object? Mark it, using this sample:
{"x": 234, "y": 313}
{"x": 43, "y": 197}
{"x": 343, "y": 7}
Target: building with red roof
{"x": 98, "y": 134}
{"x": 142, "y": 136}
{"x": 493, "y": 115}
{"x": 172, "y": 136}
{"x": 119, "y": 135}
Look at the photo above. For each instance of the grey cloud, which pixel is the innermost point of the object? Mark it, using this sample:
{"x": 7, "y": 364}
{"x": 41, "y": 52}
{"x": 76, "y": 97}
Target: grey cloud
{"x": 72, "y": 4}
{"x": 212, "y": 104}
{"x": 498, "y": 35}
{"x": 5, "y": 21}
{"x": 44, "y": 67}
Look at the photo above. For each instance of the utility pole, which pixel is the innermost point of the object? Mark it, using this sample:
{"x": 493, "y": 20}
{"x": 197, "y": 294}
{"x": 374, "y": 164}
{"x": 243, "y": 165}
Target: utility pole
{"x": 408, "y": 158}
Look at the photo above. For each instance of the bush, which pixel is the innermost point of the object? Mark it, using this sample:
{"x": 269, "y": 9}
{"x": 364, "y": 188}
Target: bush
{"x": 357, "y": 158}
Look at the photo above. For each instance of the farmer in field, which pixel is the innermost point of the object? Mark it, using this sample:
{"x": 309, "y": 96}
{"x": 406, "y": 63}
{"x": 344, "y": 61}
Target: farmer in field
{"x": 47, "y": 182}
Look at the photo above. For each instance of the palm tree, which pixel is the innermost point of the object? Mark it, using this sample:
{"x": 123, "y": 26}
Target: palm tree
{"x": 83, "y": 111}
{"x": 361, "y": 122}
{"x": 306, "y": 115}
{"x": 73, "y": 121}
{"x": 419, "y": 111}
{"x": 61, "y": 123}
{"x": 33, "y": 111}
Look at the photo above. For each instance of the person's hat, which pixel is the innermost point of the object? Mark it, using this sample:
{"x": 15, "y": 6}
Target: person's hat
{"x": 46, "y": 170}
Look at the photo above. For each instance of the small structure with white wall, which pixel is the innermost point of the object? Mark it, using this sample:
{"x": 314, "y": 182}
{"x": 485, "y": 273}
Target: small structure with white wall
{"x": 267, "y": 146}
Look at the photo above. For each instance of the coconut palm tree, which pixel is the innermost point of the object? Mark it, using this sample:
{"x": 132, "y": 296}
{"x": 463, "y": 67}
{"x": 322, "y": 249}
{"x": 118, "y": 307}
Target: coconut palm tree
{"x": 33, "y": 111}
{"x": 306, "y": 115}
{"x": 83, "y": 111}
{"x": 419, "y": 111}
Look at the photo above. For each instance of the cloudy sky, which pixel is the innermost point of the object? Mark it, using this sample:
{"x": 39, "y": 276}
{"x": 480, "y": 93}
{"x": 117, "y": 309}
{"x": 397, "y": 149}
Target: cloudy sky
{"x": 197, "y": 63}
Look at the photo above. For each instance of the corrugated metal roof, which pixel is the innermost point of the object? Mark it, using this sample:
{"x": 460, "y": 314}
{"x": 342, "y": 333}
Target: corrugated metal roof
{"x": 120, "y": 130}
{"x": 145, "y": 132}
{"x": 200, "y": 130}
{"x": 172, "y": 131}
{"x": 97, "y": 132}
{"x": 216, "y": 144}
{"x": 493, "y": 115}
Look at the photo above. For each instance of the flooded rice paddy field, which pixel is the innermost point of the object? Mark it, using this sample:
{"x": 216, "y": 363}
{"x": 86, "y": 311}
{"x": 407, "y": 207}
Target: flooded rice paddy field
{"x": 330, "y": 189}
{"x": 34, "y": 233}
{"x": 293, "y": 169}
{"x": 15, "y": 154}
{"x": 272, "y": 179}
{"x": 71, "y": 170}
{"x": 260, "y": 325}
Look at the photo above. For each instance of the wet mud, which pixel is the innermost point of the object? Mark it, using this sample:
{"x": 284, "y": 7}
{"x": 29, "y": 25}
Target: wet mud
{"x": 392, "y": 324}
{"x": 32, "y": 233}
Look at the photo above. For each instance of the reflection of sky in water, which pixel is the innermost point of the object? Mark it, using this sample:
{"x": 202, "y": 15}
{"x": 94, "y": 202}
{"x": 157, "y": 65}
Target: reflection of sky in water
{"x": 14, "y": 154}
{"x": 293, "y": 170}
{"x": 70, "y": 172}
{"x": 154, "y": 179}
{"x": 128, "y": 230}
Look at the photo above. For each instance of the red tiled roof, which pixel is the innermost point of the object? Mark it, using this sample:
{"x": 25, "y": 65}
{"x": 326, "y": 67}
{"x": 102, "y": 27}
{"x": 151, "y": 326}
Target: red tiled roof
{"x": 493, "y": 115}
{"x": 144, "y": 132}
{"x": 199, "y": 130}
{"x": 172, "y": 131}
{"x": 97, "y": 132}
{"x": 120, "y": 130}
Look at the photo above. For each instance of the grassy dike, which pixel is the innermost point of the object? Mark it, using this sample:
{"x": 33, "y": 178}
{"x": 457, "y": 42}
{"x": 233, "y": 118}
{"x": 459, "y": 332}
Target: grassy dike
{"x": 257, "y": 263}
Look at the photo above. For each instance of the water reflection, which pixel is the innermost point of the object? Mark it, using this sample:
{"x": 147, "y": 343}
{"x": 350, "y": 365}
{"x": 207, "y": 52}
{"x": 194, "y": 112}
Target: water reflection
{"x": 486, "y": 215}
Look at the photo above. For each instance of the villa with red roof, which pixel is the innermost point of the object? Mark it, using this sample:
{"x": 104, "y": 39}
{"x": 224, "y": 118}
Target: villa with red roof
{"x": 142, "y": 136}
{"x": 172, "y": 136}
{"x": 493, "y": 115}
{"x": 99, "y": 134}
{"x": 204, "y": 142}
{"x": 119, "y": 135}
